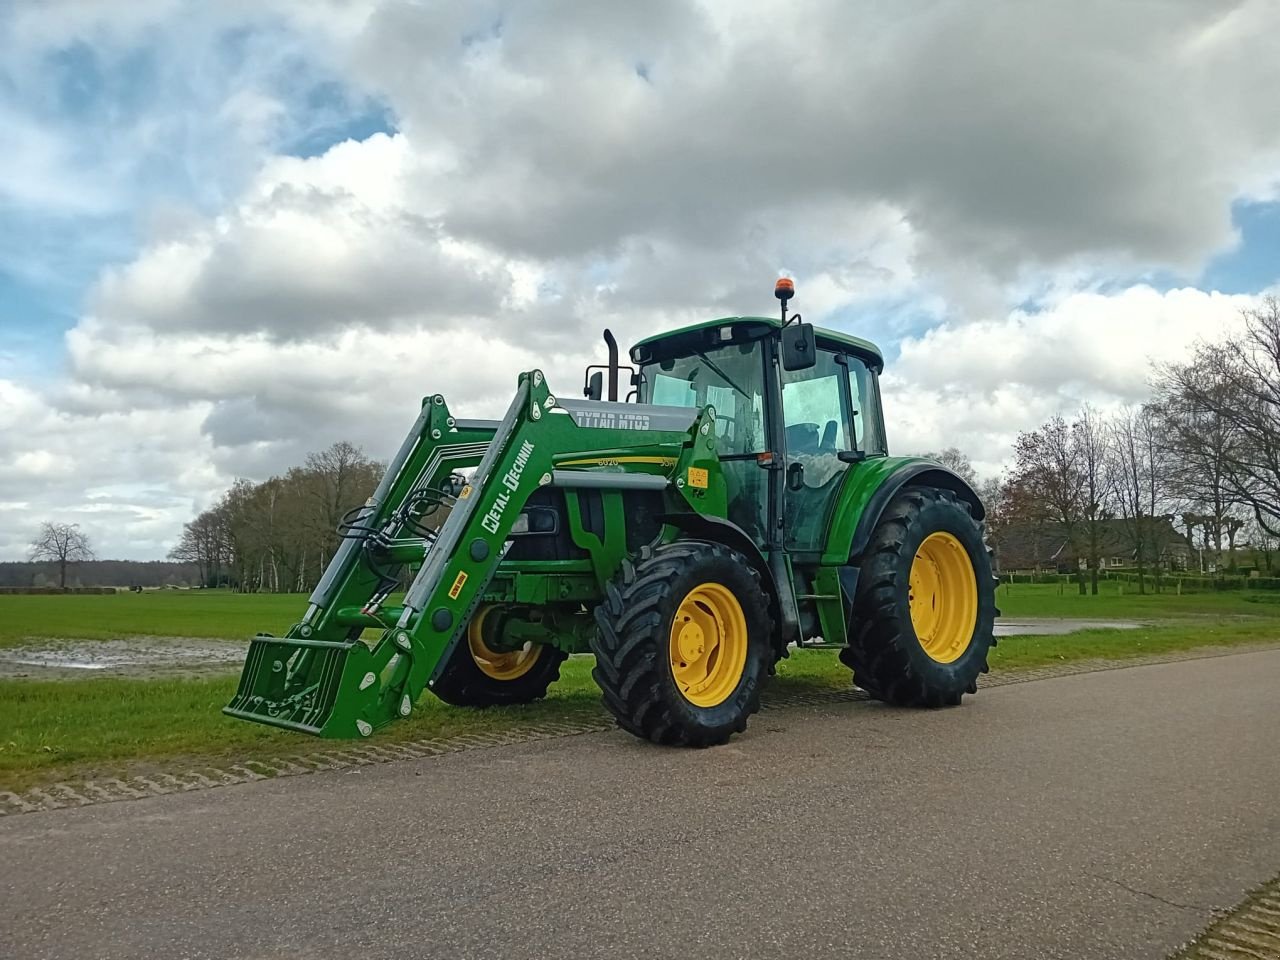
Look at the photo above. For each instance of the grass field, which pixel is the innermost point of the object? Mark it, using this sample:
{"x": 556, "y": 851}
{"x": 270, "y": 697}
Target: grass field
{"x": 160, "y": 613}
{"x": 52, "y": 730}
{"x": 1121, "y": 600}
{"x": 219, "y": 613}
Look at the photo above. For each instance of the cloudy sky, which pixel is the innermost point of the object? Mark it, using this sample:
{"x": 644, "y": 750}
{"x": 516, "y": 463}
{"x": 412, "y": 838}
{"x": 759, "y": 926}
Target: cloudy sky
{"x": 232, "y": 233}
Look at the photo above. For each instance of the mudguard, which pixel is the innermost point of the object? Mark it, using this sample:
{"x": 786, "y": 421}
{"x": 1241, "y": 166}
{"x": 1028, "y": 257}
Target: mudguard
{"x": 868, "y": 489}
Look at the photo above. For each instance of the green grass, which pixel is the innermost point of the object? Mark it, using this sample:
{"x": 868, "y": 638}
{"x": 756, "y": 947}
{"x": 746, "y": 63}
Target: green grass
{"x": 1121, "y": 600}
{"x": 1024, "y": 653}
{"x": 57, "y": 730}
{"x": 83, "y": 728}
{"x": 220, "y": 613}
{"x": 160, "y": 613}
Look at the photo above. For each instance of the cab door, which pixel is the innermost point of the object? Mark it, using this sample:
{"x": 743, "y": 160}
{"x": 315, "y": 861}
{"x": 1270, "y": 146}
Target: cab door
{"x": 817, "y": 429}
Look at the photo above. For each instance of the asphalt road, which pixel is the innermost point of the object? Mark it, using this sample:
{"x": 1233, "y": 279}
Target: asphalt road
{"x": 1102, "y": 815}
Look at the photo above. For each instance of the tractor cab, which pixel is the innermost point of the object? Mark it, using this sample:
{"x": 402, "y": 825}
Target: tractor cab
{"x": 792, "y": 402}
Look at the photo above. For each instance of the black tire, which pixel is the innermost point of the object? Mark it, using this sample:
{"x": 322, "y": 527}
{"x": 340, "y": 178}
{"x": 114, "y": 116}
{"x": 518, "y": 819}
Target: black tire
{"x": 633, "y": 641}
{"x": 887, "y": 657}
{"x": 464, "y": 684}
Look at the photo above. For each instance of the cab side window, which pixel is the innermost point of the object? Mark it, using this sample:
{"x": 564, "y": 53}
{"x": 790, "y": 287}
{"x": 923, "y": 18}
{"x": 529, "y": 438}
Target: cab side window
{"x": 865, "y": 393}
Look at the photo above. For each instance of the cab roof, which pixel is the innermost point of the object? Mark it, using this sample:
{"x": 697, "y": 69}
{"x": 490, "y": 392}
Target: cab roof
{"x": 683, "y": 338}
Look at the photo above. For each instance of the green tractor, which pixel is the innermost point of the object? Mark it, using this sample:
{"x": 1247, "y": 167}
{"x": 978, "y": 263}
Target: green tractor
{"x": 744, "y": 502}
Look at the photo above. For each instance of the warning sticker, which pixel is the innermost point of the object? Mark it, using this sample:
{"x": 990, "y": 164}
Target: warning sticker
{"x": 465, "y": 492}
{"x": 698, "y": 478}
{"x": 458, "y": 583}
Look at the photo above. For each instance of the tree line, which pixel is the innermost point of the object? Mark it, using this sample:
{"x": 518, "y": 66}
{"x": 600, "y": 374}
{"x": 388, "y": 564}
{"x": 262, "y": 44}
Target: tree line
{"x": 1200, "y": 460}
{"x": 98, "y": 573}
{"x": 277, "y": 536}
{"x": 1198, "y": 465}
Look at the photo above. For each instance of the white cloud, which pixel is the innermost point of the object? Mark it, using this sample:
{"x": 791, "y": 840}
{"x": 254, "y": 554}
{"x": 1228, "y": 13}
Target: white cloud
{"x": 975, "y": 384}
{"x": 559, "y": 167}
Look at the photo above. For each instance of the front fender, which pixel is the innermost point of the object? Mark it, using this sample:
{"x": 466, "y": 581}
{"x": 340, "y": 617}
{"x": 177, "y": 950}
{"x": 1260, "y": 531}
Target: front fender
{"x": 867, "y": 490}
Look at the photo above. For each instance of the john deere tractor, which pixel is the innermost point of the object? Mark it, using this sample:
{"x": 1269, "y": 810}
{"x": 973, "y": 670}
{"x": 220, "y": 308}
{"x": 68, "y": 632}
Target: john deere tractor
{"x": 740, "y": 501}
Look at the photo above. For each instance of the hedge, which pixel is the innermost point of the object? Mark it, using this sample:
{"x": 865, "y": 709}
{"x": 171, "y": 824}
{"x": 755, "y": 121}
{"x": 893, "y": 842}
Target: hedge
{"x": 58, "y": 590}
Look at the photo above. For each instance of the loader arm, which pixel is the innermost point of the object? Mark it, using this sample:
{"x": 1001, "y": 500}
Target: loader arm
{"x": 322, "y": 678}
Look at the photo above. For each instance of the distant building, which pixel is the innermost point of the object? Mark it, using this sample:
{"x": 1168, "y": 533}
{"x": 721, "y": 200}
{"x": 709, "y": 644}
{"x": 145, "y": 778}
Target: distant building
{"x": 1045, "y": 547}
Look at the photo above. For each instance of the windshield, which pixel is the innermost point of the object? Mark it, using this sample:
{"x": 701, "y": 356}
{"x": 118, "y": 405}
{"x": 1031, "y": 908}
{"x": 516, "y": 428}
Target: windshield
{"x": 729, "y": 378}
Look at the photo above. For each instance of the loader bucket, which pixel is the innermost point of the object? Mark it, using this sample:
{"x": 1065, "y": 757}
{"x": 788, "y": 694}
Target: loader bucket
{"x": 324, "y": 688}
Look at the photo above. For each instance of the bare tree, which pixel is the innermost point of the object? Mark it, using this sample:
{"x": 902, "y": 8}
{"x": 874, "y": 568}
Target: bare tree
{"x": 63, "y": 544}
{"x": 957, "y": 461}
{"x": 1021, "y": 509}
{"x": 1221, "y": 413}
{"x": 1138, "y": 473}
{"x": 1198, "y": 446}
{"x": 1088, "y": 435}
{"x": 1048, "y": 480}
{"x": 278, "y": 535}
{"x": 994, "y": 494}
{"x": 341, "y": 478}
{"x": 1264, "y": 545}
{"x": 204, "y": 542}
{"x": 1060, "y": 476}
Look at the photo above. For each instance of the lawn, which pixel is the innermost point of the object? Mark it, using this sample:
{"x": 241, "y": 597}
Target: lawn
{"x": 1122, "y": 601}
{"x": 53, "y": 728}
{"x": 158, "y": 613}
{"x": 220, "y": 613}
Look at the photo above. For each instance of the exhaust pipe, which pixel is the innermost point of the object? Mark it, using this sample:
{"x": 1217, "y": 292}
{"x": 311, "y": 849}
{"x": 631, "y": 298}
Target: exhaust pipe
{"x": 612, "y": 343}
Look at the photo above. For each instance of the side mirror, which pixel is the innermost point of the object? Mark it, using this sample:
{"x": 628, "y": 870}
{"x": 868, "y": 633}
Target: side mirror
{"x": 595, "y": 386}
{"x": 799, "y": 349}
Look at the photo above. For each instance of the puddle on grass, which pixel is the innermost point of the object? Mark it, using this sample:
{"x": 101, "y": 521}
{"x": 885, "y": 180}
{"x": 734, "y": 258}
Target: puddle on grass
{"x": 173, "y": 657}
{"x": 1047, "y": 627}
{"x": 142, "y": 657}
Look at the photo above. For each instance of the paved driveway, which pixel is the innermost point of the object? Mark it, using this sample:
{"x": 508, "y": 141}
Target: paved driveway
{"x": 1099, "y": 815}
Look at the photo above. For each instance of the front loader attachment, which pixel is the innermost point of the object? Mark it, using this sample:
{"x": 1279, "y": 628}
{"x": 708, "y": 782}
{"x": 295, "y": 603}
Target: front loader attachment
{"x": 317, "y": 687}
{"x": 355, "y": 662}
{"x": 323, "y": 678}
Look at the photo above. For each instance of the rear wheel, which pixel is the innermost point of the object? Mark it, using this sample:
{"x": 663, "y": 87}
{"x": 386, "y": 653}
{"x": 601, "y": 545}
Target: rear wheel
{"x": 482, "y": 672}
{"x": 683, "y": 644}
{"x": 925, "y": 604}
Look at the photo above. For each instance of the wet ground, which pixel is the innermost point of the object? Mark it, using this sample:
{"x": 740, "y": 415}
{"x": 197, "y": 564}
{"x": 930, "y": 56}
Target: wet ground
{"x": 158, "y": 657}
{"x": 1047, "y": 627}
{"x": 171, "y": 657}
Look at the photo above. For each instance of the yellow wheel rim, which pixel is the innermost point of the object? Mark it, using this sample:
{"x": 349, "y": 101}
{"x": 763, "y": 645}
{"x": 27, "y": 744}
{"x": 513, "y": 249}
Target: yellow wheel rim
{"x": 944, "y": 597}
{"x": 500, "y": 665}
{"x": 708, "y": 645}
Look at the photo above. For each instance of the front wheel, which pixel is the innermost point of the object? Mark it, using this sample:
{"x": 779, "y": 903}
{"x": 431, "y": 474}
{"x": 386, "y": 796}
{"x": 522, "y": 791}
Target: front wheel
{"x": 481, "y": 675}
{"x": 925, "y": 606}
{"x": 682, "y": 644}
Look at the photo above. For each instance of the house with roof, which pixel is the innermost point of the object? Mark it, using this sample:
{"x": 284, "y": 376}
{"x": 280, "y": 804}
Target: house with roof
{"x": 1045, "y": 546}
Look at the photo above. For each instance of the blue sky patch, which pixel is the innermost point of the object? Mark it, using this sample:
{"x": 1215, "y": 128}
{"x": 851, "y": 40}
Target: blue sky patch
{"x": 336, "y": 119}
{"x": 1255, "y": 263}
